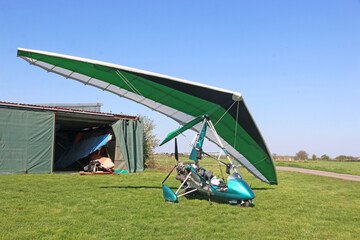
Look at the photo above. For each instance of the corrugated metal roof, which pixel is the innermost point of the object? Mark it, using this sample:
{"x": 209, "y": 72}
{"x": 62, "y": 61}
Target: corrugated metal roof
{"x": 56, "y": 109}
{"x": 90, "y": 107}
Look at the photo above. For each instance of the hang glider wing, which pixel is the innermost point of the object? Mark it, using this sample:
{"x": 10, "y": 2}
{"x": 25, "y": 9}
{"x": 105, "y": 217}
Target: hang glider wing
{"x": 178, "y": 99}
{"x": 187, "y": 126}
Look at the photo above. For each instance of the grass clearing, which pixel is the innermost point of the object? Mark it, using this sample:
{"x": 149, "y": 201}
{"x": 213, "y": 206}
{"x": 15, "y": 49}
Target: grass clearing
{"x": 329, "y": 166}
{"x": 131, "y": 206}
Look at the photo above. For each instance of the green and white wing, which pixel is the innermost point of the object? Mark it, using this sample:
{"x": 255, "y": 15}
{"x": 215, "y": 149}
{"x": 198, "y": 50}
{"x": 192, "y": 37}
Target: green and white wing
{"x": 178, "y": 99}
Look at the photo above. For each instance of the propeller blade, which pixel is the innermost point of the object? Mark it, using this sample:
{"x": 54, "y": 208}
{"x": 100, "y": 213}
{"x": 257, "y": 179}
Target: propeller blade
{"x": 176, "y": 151}
{"x": 169, "y": 174}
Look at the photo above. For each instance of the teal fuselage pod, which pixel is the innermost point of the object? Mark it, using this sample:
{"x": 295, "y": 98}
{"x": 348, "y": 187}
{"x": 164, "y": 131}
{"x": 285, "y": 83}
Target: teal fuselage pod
{"x": 237, "y": 189}
{"x": 169, "y": 195}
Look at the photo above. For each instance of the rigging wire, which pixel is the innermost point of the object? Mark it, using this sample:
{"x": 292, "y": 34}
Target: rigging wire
{"x": 132, "y": 88}
{"x": 189, "y": 142}
{"x": 127, "y": 82}
{"x": 236, "y": 123}
{"x": 225, "y": 113}
{"x": 222, "y": 175}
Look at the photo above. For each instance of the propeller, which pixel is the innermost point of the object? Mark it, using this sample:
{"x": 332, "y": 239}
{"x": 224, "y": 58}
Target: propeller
{"x": 177, "y": 161}
{"x": 176, "y": 151}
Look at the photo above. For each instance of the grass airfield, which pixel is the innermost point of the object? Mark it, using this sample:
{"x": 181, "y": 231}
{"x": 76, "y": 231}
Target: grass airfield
{"x": 330, "y": 166}
{"x": 131, "y": 206}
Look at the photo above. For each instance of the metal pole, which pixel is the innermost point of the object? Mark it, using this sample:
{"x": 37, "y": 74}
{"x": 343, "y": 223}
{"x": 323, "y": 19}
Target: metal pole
{"x": 219, "y": 141}
{"x": 183, "y": 183}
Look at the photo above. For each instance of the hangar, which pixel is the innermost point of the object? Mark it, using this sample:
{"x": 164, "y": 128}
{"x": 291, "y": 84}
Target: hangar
{"x": 43, "y": 139}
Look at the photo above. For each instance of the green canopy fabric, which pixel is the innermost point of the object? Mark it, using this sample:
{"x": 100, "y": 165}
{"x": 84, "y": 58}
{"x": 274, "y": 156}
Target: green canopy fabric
{"x": 181, "y": 130}
{"x": 181, "y": 100}
{"x": 26, "y": 141}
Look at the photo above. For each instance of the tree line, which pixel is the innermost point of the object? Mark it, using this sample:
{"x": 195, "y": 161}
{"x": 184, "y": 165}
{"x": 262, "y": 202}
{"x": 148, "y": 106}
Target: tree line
{"x": 303, "y": 155}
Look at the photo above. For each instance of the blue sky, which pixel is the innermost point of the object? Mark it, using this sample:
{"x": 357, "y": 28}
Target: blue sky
{"x": 297, "y": 63}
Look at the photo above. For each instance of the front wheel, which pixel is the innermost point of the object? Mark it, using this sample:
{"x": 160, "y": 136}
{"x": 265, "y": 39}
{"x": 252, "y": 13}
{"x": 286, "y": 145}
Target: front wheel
{"x": 243, "y": 203}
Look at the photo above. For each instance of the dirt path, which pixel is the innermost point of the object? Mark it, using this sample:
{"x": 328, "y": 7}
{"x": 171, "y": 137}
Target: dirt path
{"x": 321, "y": 173}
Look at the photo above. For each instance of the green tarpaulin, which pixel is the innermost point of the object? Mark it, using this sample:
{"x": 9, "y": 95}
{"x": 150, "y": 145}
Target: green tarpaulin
{"x": 26, "y": 141}
{"x": 130, "y": 136}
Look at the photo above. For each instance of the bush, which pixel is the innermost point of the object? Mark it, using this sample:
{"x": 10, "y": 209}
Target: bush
{"x": 302, "y": 155}
{"x": 150, "y": 141}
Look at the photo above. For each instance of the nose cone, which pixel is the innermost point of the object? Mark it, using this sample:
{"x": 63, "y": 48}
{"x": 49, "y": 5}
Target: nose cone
{"x": 242, "y": 189}
{"x": 247, "y": 191}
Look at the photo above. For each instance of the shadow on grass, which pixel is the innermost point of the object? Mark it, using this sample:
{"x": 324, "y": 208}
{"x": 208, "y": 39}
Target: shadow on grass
{"x": 136, "y": 187}
{"x": 191, "y": 196}
{"x": 262, "y": 188}
{"x": 214, "y": 199}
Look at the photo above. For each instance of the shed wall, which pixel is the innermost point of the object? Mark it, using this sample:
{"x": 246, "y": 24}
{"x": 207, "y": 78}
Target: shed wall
{"x": 26, "y": 141}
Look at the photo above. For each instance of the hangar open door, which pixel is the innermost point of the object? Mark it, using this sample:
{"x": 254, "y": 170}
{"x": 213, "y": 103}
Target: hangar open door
{"x": 78, "y": 135}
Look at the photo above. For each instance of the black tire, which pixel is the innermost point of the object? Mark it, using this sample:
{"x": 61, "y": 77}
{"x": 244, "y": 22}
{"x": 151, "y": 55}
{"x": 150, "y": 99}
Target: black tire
{"x": 246, "y": 203}
{"x": 243, "y": 203}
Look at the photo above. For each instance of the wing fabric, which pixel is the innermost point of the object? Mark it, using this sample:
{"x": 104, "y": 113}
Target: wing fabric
{"x": 178, "y": 99}
{"x": 181, "y": 130}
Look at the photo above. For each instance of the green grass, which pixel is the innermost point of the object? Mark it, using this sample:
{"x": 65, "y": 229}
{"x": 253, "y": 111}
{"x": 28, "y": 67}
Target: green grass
{"x": 330, "y": 166}
{"x": 130, "y": 206}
